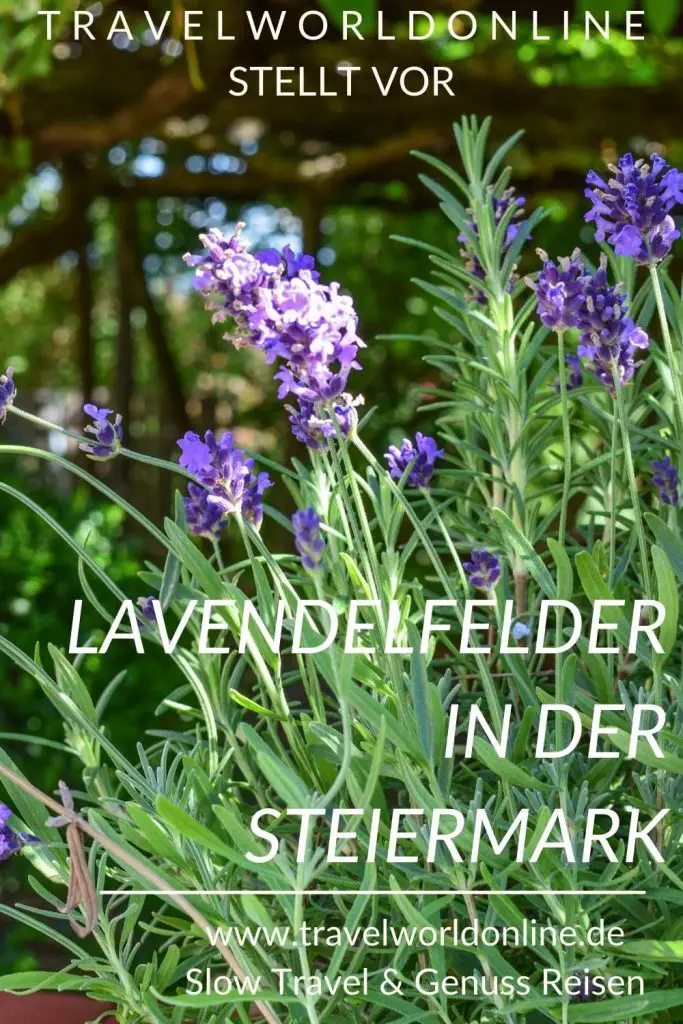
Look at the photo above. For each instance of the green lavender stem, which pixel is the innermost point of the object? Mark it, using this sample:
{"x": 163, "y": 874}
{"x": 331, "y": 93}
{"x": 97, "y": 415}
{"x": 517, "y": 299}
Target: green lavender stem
{"x": 633, "y": 486}
{"x": 128, "y": 453}
{"x": 674, "y": 368}
{"x": 613, "y": 499}
{"x": 566, "y": 438}
{"x": 567, "y": 446}
{"x": 612, "y": 518}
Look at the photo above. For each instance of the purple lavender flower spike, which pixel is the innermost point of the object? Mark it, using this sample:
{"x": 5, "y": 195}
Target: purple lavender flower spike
{"x": 12, "y": 842}
{"x": 277, "y": 304}
{"x": 631, "y": 210}
{"x": 146, "y": 606}
{"x": 604, "y": 314}
{"x": 609, "y": 337}
{"x": 421, "y": 457}
{"x": 230, "y": 485}
{"x": 8, "y": 392}
{"x": 663, "y": 237}
{"x": 227, "y": 476}
{"x": 308, "y": 427}
{"x": 204, "y": 519}
{"x": 483, "y": 569}
{"x": 560, "y": 291}
{"x": 308, "y": 539}
{"x": 108, "y": 436}
{"x": 620, "y": 358}
{"x": 665, "y": 479}
{"x": 313, "y": 424}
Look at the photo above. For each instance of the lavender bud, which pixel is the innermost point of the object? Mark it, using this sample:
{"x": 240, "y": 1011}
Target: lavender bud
{"x": 108, "y": 436}
{"x": 11, "y": 842}
{"x": 421, "y": 456}
{"x": 665, "y": 479}
{"x": 483, "y": 569}
{"x": 8, "y": 392}
{"x": 308, "y": 540}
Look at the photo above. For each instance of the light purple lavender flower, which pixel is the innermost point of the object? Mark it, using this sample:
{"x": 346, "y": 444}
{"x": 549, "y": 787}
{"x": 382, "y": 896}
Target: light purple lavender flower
{"x": 631, "y": 210}
{"x": 520, "y": 631}
{"x": 146, "y": 606}
{"x": 195, "y": 453}
{"x": 12, "y": 842}
{"x": 313, "y": 424}
{"x": 483, "y": 569}
{"x": 290, "y": 261}
{"x": 421, "y": 456}
{"x": 278, "y": 305}
{"x": 8, "y": 392}
{"x": 560, "y": 291}
{"x": 108, "y": 436}
{"x": 308, "y": 539}
{"x": 500, "y": 206}
{"x": 229, "y": 482}
{"x": 609, "y": 337}
{"x": 665, "y": 479}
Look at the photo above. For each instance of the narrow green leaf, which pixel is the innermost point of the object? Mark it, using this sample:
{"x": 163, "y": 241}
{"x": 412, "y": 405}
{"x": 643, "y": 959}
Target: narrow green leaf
{"x": 565, "y": 573}
{"x": 629, "y": 1007}
{"x": 41, "y": 981}
{"x": 512, "y": 773}
{"x": 190, "y": 828}
{"x": 214, "y": 999}
{"x": 524, "y": 549}
{"x": 195, "y": 562}
{"x": 667, "y": 593}
{"x": 669, "y": 541}
{"x": 653, "y": 949}
{"x": 421, "y": 699}
{"x": 281, "y": 777}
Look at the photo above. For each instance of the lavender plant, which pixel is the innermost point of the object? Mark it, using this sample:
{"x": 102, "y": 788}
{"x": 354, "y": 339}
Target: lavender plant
{"x": 536, "y": 488}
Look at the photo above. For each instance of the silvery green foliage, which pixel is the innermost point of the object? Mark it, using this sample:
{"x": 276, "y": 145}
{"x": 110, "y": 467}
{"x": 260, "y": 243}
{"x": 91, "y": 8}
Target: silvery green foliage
{"x": 263, "y": 729}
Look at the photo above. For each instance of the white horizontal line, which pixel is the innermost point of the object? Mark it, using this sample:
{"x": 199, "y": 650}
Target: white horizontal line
{"x": 373, "y": 892}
